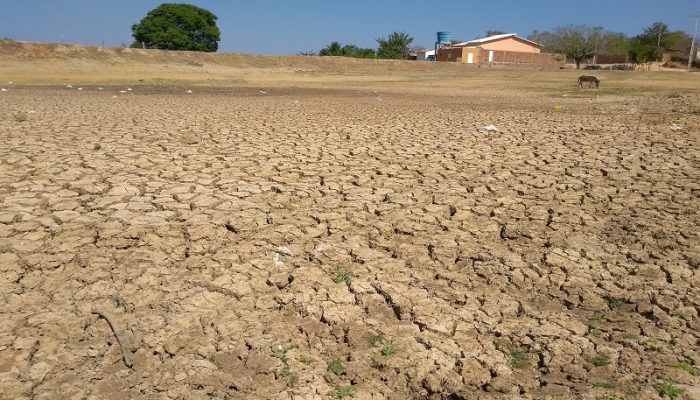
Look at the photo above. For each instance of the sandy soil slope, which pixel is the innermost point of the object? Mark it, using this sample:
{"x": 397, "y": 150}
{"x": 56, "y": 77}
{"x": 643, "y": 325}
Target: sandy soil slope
{"x": 299, "y": 228}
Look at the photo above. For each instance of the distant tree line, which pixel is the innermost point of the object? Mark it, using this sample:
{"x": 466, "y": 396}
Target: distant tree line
{"x": 577, "y": 42}
{"x": 580, "y": 42}
{"x": 186, "y": 27}
{"x": 393, "y": 47}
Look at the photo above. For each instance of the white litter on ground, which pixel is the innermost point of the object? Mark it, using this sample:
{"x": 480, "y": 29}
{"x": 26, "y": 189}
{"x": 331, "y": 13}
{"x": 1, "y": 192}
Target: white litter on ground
{"x": 3, "y": 90}
{"x": 675, "y": 128}
{"x": 189, "y": 91}
{"x": 488, "y": 128}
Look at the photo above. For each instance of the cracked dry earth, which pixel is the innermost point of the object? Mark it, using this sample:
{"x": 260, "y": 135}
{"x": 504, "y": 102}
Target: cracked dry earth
{"x": 307, "y": 244}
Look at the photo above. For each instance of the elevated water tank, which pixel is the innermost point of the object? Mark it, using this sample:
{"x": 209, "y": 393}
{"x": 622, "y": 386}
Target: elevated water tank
{"x": 444, "y": 37}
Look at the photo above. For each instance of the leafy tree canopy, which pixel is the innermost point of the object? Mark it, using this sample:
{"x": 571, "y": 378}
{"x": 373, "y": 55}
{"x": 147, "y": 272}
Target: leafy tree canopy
{"x": 349, "y": 50}
{"x": 651, "y": 43}
{"x": 177, "y": 27}
{"x": 395, "y": 46}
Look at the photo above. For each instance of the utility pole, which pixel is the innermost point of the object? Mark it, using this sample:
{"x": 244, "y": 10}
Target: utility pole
{"x": 691, "y": 57}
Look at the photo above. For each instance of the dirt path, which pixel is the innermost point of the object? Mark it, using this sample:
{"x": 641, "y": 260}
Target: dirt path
{"x": 299, "y": 244}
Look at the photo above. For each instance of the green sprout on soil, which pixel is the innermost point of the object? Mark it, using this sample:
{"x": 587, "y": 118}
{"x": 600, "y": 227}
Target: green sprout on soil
{"x": 652, "y": 345}
{"x": 605, "y": 385}
{"x": 342, "y": 276}
{"x": 388, "y": 350}
{"x": 679, "y": 314}
{"x": 336, "y": 366}
{"x": 375, "y": 340}
{"x": 686, "y": 368}
{"x": 518, "y": 357}
{"x": 343, "y": 392}
{"x": 282, "y": 356}
{"x": 291, "y": 378}
{"x": 600, "y": 360}
{"x": 596, "y": 317}
{"x": 670, "y": 390}
{"x": 614, "y": 303}
{"x": 305, "y": 360}
{"x": 596, "y": 332}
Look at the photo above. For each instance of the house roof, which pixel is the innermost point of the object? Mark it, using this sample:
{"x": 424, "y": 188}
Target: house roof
{"x": 494, "y": 38}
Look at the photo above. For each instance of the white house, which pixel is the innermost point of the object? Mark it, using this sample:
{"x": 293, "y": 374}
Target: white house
{"x": 422, "y": 55}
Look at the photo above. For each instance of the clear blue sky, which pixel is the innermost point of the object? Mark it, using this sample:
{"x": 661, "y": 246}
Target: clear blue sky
{"x": 290, "y": 26}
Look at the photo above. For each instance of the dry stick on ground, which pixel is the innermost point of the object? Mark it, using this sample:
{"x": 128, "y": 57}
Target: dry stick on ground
{"x": 126, "y": 351}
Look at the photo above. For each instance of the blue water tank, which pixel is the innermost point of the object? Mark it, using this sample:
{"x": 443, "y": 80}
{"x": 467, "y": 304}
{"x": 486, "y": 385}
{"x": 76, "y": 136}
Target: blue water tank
{"x": 444, "y": 37}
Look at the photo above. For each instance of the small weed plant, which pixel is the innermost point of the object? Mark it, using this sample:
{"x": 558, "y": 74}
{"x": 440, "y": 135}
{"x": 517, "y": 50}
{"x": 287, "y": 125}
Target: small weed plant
{"x": 669, "y": 390}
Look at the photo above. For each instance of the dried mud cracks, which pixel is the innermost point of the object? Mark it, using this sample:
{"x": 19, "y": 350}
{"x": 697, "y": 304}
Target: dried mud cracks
{"x": 313, "y": 245}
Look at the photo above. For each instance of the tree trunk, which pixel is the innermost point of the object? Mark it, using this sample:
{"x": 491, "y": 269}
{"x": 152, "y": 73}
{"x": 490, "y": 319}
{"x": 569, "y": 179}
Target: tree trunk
{"x": 578, "y": 63}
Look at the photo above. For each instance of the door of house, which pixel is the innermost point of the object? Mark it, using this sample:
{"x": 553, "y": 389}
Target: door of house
{"x": 490, "y": 56}
{"x": 470, "y": 58}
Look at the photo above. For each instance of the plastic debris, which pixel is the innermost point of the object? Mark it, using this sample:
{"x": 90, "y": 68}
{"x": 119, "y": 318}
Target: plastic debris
{"x": 69, "y": 86}
{"x": 3, "y": 90}
{"x": 559, "y": 107}
{"x": 99, "y": 88}
{"x": 122, "y": 91}
{"x": 283, "y": 251}
{"x": 675, "y": 128}
{"x": 80, "y": 88}
{"x": 189, "y": 91}
{"x": 488, "y": 128}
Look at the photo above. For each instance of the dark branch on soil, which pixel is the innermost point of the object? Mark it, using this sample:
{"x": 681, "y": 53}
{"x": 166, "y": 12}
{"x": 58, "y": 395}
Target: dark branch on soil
{"x": 123, "y": 344}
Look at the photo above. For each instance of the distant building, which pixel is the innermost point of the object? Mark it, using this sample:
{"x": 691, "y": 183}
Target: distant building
{"x": 504, "y": 42}
{"x": 425, "y": 54}
{"x": 506, "y": 48}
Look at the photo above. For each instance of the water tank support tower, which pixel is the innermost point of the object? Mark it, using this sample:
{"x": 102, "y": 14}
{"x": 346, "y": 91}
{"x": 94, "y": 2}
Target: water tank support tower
{"x": 444, "y": 39}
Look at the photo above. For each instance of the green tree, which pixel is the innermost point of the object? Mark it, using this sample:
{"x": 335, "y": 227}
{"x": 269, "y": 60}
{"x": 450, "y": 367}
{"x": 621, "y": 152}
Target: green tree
{"x": 614, "y": 43}
{"x": 678, "y": 40}
{"x": 650, "y": 44}
{"x": 349, "y": 50}
{"x": 333, "y": 49}
{"x": 395, "y": 46}
{"x": 177, "y": 27}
